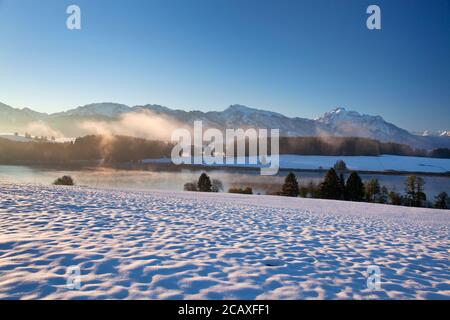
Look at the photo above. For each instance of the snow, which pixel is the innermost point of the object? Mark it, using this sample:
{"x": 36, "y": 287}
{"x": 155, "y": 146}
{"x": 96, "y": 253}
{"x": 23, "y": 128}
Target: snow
{"x": 13, "y": 137}
{"x": 248, "y": 111}
{"x": 22, "y": 138}
{"x": 167, "y": 245}
{"x": 107, "y": 109}
{"x": 368, "y": 163}
{"x": 363, "y": 163}
{"x": 427, "y": 133}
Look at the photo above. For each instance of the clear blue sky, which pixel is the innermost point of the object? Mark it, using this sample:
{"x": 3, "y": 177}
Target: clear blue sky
{"x": 300, "y": 58}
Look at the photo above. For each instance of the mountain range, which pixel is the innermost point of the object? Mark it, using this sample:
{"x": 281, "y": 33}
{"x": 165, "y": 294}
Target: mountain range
{"x": 438, "y": 133}
{"x": 337, "y": 122}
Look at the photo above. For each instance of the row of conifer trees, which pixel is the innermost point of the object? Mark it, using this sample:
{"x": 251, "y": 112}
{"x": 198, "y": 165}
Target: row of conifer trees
{"x": 334, "y": 186}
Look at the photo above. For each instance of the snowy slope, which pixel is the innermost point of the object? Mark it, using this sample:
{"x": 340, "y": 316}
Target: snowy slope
{"x": 353, "y": 124}
{"x": 161, "y": 245}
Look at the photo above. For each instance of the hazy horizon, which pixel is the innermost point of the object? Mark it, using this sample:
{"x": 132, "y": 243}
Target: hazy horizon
{"x": 298, "y": 58}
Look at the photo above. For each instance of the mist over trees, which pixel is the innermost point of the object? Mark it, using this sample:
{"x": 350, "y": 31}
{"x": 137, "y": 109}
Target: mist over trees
{"x": 130, "y": 149}
{"x": 106, "y": 148}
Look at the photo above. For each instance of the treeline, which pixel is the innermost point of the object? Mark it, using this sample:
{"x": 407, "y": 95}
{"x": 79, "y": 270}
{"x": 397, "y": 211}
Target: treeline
{"x": 340, "y": 146}
{"x": 108, "y": 149}
{"x": 205, "y": 184}
{"x": 344, "y": 146}
{"x": 348, "y": 146}
{"x": 131, "y": 149}
{"x": 334, "y": 186}
{"x": 440, "y": 153}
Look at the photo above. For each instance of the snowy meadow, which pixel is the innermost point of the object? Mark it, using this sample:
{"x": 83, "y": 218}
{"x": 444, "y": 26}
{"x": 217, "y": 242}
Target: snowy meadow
{"x": 131, "y": 244}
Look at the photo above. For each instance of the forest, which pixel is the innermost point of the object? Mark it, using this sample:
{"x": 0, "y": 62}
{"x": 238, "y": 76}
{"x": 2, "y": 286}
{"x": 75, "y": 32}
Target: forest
{"x": 121, "y": 149}
{"x": 109, "y": 149}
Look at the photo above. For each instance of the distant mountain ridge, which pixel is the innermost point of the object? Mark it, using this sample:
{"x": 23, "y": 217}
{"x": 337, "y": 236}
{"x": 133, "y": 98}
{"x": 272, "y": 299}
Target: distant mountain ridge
{"x": 439, "y": 133}
{"x": 337, "y": 122}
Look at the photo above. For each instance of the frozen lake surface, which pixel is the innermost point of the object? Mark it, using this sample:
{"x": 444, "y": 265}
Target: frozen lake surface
{"x": 160, "y": 178}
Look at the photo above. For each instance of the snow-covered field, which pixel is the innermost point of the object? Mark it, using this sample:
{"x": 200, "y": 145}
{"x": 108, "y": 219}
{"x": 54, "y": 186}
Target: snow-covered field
{"x": 167, "y": 245}
{"x": 363, "y": 163}
{"x": 381, "y": 163}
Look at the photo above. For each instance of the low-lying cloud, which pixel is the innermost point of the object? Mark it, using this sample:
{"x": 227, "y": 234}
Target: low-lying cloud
{"x": 40, "y": 129}
{"x": 143, "y": 124}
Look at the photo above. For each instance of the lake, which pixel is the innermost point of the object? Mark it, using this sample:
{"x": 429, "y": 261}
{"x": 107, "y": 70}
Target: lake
{"x": 161, "y": 178}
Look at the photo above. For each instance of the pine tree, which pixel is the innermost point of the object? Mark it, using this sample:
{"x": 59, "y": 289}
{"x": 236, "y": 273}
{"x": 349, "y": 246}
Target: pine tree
{"x": 372, "y": 190}
{"x": 342, "y": 187}
{"x": 204, "y": 183}
{"x": 340, "y": 166}
{"x": 395, "y": 198}
{"x": 414, "y": 187}
{"x": 290, "y": 186}
{"x": 384, "y": 195}
{"x": 330, "y": 187}
{"x": 442, "y": 201}
{"x": 355, "y": 187}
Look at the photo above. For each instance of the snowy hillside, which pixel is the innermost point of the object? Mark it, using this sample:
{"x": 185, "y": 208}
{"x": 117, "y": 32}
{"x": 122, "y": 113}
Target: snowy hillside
{"x": 161, "y": 245}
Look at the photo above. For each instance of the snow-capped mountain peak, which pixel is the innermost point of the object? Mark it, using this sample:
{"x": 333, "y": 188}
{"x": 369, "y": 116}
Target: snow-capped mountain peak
{"x": 341, "y": 113}
{"x": 247, "y": 111}
{"x": 438, "y": 133}
{"x": 107, "y": 109}
{"x": 351, "y": 123}
{"x": 240, "y": 108}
